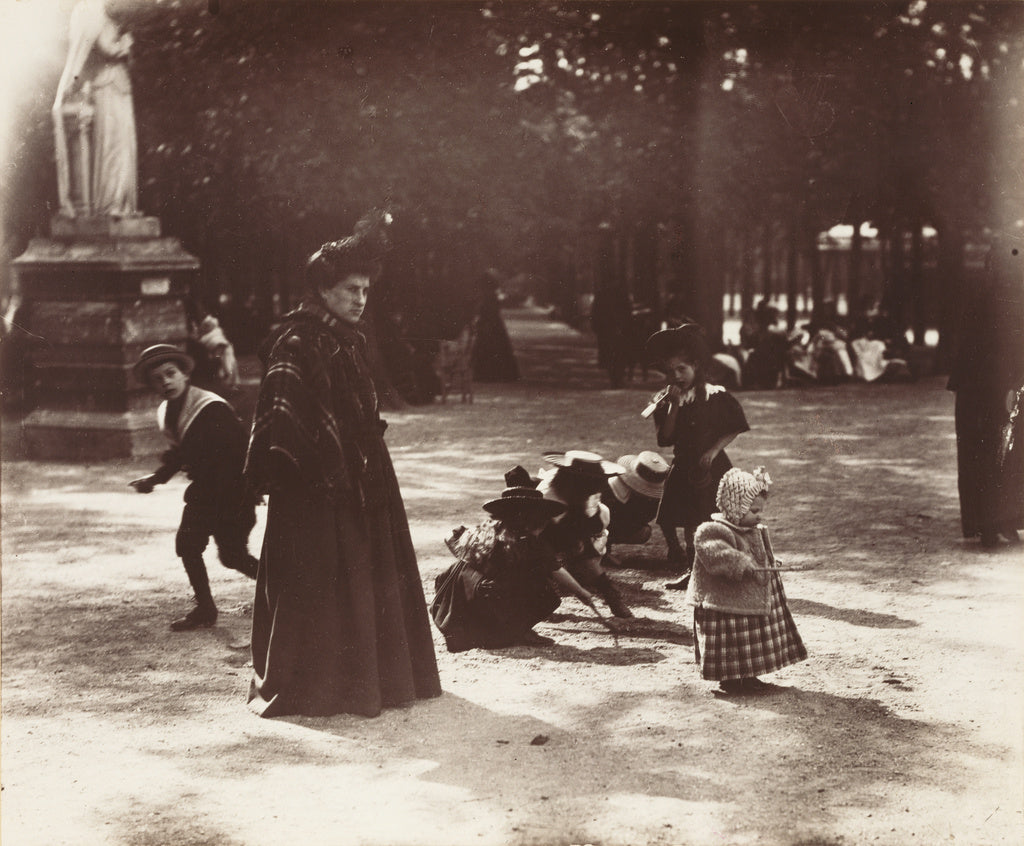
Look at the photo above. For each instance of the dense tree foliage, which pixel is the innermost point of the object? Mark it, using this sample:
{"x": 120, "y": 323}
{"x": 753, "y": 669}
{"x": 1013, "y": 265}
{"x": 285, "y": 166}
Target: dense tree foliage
{"x": 673, "y": 147}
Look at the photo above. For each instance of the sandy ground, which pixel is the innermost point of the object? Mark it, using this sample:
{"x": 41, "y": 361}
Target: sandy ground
{"x": 905, "y": 726}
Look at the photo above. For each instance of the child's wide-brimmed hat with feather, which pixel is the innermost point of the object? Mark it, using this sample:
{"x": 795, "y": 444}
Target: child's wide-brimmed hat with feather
{"x": 688, "y": 340}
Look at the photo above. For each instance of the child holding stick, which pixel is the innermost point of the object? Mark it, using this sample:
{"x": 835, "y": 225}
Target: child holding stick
{"x": 742, "y": 627}
{"x": 698, "y": 420}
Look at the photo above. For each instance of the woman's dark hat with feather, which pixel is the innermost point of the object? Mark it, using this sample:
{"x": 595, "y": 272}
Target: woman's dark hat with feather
{"x": 362, "y": 252}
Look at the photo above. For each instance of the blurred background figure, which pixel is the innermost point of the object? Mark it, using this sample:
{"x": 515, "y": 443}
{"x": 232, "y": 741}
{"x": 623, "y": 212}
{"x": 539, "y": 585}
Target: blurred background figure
{"x": 987, "y": 375}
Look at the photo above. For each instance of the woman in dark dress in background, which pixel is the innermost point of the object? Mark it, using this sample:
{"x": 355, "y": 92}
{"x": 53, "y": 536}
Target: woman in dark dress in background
{"x": 987, "y": 376}
{"x": 493, "y": 357}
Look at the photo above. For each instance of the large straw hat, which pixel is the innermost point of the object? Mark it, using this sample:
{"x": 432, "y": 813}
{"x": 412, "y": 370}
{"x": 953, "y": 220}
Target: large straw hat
{"x": 644, "y": 473}
{"x": 583, "y": 463}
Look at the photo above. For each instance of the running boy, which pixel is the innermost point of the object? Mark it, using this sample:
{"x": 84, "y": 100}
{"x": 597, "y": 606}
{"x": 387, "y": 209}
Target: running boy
{"x": 208, "y": 442}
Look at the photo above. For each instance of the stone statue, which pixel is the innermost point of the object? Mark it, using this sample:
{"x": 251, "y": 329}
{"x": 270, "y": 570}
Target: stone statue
{"x": 94, "y": 119}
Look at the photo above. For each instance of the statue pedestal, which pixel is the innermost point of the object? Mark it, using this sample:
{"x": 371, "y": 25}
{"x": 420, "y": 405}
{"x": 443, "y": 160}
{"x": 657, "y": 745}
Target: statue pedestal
{"x": 97, "y": 292}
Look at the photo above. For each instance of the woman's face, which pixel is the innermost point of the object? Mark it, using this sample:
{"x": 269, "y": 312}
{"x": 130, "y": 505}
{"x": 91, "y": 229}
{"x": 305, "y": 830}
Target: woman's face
{"x": 346, "y": 299}
{"x": 681, "y": 371}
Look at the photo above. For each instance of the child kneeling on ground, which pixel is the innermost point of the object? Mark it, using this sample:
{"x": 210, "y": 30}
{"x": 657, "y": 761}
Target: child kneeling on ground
{"x": 208, "y": 442}
{"x": 742, "y": 627}
{"x": 506, "y": 579}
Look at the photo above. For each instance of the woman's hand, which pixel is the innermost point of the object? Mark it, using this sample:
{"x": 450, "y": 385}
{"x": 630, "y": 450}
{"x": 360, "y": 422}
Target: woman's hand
{"x": 675, "y": 393}
{"x": 707, "y": 458}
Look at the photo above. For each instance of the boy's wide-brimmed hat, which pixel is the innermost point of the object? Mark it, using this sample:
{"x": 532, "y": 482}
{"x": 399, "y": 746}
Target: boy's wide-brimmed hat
{"x": 688, "y": 339}
{"x": 160, "y": 354}
{"x": 644, "y": 473}
{"x": 583, "y": 463}
{"x": 523, "y": 503}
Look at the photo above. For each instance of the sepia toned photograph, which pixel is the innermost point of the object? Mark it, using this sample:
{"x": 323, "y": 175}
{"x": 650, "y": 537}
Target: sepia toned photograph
{"x": 511, "y": 423}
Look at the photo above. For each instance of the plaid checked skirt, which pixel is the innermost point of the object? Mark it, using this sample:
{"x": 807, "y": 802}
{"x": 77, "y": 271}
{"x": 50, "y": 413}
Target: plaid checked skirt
{"x": 738, "y": 646}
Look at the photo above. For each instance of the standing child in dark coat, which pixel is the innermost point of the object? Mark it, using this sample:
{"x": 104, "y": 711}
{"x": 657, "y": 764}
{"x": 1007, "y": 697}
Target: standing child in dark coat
{"x": 208, "y": 442}
{"x": 742, "y": 627}
{"x": 698, "y": 420}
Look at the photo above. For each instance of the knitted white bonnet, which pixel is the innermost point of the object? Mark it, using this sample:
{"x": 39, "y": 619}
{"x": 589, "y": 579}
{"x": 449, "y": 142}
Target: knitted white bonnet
{"x": 737, "y": 490}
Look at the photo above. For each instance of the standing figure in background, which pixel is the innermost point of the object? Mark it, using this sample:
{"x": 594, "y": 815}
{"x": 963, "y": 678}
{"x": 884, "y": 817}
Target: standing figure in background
{"x": 610, "y": 317}
{"x": 579, "y": 537}
{"x": 340, "y": 622}
{"x": 987, "y": 376}
{"x": 95, "y": 79}
{"x": 207, "y": 441}
{"x": 698, "y": 420}
{"x": 493, "y": 357}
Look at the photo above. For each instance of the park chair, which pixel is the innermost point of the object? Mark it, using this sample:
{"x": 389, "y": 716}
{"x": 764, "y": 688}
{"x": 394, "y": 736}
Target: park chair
{"x": 455, "y": 363}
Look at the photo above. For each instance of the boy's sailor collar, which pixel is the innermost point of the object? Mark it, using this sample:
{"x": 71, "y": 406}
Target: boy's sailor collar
{"x": 195, "y": 400}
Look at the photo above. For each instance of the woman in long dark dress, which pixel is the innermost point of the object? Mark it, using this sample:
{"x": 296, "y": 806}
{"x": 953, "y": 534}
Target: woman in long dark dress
{"x": 494, "y": 360}
{"x": 340, "y": 622}
{"x": 987, "y": 374}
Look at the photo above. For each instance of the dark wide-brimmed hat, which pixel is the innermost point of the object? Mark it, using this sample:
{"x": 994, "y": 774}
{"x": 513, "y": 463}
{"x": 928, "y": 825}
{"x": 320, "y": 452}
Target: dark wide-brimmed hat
{"x": 519, "y": 477}
{"x": 523, "y": 503}
{"x": 160, "y": 354}
{"x": 644, "y": 473}
{"x": 586, "y": 464}
{"x": 688, "y": 339}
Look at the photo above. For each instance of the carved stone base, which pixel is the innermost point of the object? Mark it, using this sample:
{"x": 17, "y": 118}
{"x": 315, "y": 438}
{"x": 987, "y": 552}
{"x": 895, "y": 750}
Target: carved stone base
{"x": 64, "y": 228}
{"x": 95, "y": 295}
{"x": 54, "y": 435}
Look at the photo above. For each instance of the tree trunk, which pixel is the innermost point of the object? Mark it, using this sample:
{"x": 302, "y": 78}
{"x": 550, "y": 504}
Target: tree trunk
{"x": 817, "y": 275}
{"x": 767, "y": 260}
{"x": 792, "y": 268}
{"x": 896, "y": 299}
{"x": 916, "y": 287}
{"x": 950, "y": 269}
{"x": 853, "y": 285}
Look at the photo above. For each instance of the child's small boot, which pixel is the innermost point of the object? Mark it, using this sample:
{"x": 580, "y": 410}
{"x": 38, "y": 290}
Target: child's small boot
{"x": 204, "y": 614}
{"x": 679, "y": 584}
{"x": 610, "y": 594}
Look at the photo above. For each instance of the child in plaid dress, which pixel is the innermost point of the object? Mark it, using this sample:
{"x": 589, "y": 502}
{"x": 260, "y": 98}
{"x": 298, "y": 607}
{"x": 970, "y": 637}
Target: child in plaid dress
{"x": 742, "y": 627}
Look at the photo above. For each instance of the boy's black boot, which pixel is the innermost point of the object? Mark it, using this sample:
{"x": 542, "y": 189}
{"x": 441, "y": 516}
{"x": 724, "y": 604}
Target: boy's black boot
{"x": 204, "y": 614}
{"x": 610, "y": 593}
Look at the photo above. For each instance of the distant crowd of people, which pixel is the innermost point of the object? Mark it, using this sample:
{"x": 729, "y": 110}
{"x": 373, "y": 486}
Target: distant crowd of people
{"x": 827, "y": 349}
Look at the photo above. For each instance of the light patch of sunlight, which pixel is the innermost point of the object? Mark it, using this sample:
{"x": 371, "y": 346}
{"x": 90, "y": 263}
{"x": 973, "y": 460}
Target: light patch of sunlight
{"x": 835, "y": 436}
